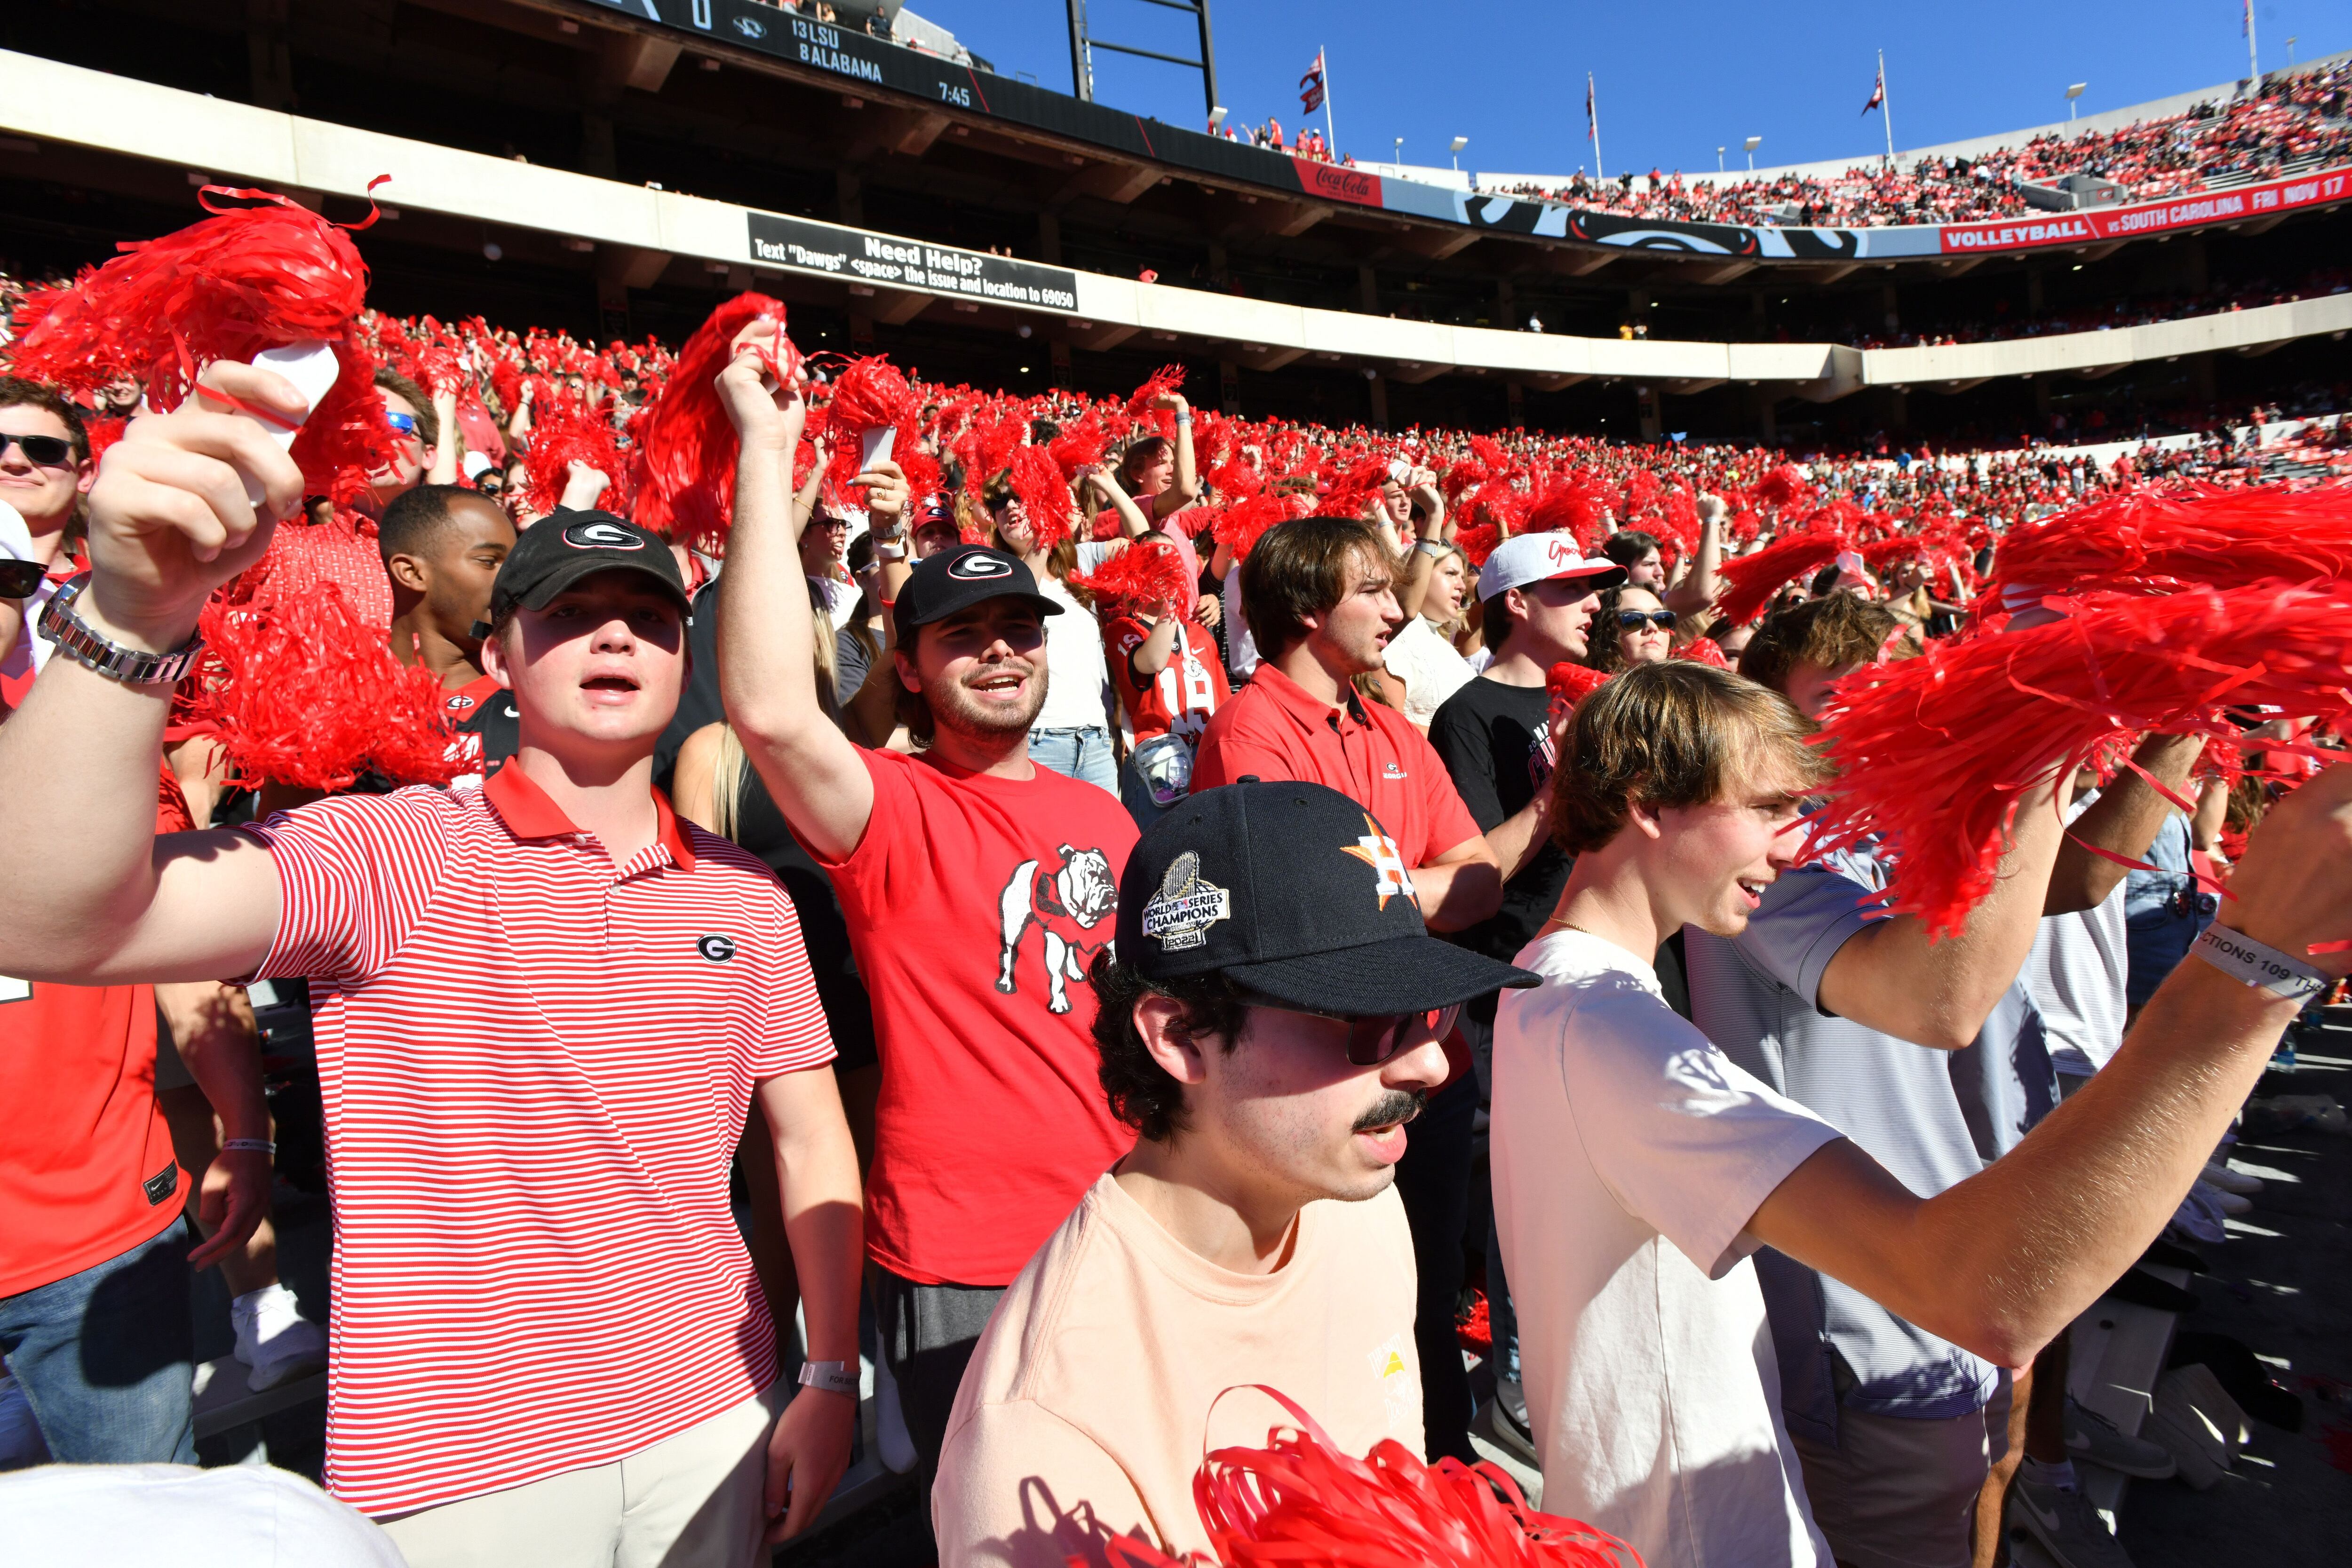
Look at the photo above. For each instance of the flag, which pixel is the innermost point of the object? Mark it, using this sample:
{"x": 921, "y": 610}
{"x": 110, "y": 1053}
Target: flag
{"x": 2246, "y": 21}
{"x": 1310, "y": 86}
{"x": 1878, "y": 89}
{"x": 1589, "y": 122}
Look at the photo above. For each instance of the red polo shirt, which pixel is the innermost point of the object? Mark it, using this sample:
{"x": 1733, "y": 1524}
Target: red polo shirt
{"x": 535, "y": 1066}
{"x": 1275, "y": 729}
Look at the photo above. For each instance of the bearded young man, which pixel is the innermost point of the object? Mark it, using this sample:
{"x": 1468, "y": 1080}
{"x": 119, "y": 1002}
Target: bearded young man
{"x": 1270, "y": 1024}
{"x": 546, "y": 994}
{"x": 977, "y": 886}
{"x": 1637, "y": 1167}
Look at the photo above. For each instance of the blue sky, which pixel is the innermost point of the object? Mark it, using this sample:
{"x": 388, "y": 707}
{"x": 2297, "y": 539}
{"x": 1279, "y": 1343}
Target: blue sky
{"x": 1675, "y": 79}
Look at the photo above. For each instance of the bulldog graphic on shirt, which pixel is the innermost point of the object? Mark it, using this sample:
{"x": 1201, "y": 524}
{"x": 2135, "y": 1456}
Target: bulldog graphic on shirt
{"x": 1073, "y": 902}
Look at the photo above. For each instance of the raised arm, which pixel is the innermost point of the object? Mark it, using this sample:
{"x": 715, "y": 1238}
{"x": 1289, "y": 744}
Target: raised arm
{"x": 1890, "y": 977}
{"x": 2123, "y": 821}
{"x": 2001, "y": 1263}
{"x": 169, "y": 522}
{"x": 1131, "y": 521}
{"x": 767, "y": 658}
{"x": 1700, "y": 586}
{"x": 1186, "y": 488}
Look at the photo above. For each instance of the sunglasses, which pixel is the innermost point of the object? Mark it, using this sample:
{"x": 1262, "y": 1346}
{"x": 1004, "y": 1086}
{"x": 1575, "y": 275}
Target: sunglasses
{"x": 41, "y": 451}
{"x": 404, "y": 422}
{"x": 1628, "y": 620}
{"x": 21, "y": 579}
{"x": 1374, "y": 1038}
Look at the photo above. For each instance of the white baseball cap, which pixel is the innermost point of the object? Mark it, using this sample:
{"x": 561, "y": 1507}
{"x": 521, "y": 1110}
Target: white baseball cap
{"x": 1542, "y": 558}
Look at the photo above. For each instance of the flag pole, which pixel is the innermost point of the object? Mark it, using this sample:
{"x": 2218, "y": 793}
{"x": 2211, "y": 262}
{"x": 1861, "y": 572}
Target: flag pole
{"x": 1885, "y": 105}
{"x": 2254, "y": 67}
{"x": 1328, "y": 134}
{"x": 1593, "y": 103}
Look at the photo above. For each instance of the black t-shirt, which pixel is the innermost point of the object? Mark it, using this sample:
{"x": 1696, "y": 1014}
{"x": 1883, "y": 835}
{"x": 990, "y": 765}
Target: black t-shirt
{"x": 1488, "y": 735}
{"x": 760, "y": 828}
{"x": 495, "y": 720}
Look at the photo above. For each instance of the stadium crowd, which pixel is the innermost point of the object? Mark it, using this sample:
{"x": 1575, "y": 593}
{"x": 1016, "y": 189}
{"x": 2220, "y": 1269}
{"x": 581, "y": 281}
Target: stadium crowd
{"x": 2297, "y": 119}
{"x": 1085, "y": 876}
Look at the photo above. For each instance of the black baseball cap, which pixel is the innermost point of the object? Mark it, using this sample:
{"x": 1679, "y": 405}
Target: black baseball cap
{"x": 1297, "y": 891}
{"x": 959, "y": 577}
{"x": 563, "y": 547}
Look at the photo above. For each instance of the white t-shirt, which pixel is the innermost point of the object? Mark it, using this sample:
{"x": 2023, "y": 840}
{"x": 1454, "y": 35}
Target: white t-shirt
{"x": 1240, "y": 646}
{"x": 1077, "y": 677}
{"x": 2076, "y": 975}
{"x": 1432, "y": 671}
{"x": 238, "y": 1516}
{"x": 1629, "y": 1155}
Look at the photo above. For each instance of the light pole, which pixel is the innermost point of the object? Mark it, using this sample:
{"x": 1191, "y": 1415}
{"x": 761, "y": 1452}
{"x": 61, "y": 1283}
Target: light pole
{"x": 1719, "y": 160}
{"x": 1459, "y": 143}
{"x": 1751, "y": 145}
{"x": 1400, "y": 150}
{"x": 2072, "y": 93}
{"x": 2290, "y": 51}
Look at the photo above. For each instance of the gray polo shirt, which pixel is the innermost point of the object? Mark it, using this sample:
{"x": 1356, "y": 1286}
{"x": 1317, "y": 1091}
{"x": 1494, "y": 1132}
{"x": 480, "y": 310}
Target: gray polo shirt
{"x": 1755, "y": 997}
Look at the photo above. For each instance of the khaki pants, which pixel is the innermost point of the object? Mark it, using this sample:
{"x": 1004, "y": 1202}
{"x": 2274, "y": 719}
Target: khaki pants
{"x": 1899, "y": 1493}
{"x": 691, "y": 1500}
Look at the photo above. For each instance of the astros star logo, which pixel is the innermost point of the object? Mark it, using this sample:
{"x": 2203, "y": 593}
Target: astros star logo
{"x": 1378, "y": 851}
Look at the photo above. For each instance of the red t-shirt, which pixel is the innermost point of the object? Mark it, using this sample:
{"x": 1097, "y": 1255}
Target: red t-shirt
{"x": 1274, "y": 729}
{"x": 974, "y": 906}
{"x": 1188, "y": 689}
{"x": 85, "y": 1165}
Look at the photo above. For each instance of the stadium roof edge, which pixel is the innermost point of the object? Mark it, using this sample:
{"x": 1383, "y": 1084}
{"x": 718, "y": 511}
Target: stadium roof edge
{"x": 211, "y": 138}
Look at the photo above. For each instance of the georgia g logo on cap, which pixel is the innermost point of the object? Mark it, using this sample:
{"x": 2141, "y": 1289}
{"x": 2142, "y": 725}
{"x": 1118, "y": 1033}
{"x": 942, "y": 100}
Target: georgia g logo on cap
{"x": 601, "y": 536}
{"x": 980, "y": 565}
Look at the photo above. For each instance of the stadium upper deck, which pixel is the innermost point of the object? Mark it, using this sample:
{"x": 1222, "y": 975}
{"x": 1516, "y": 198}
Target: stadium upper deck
{"x": 625, "y": 164}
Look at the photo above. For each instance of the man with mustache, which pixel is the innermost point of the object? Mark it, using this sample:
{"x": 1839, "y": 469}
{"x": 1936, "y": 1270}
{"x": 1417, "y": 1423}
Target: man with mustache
{"x": 1270, "y": 1021}
{"x": 974, "y": 882}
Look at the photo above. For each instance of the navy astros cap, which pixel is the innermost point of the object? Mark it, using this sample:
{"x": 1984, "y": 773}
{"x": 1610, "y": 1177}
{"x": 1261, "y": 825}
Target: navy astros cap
{"x": 564, "y": 547}
{"x": 959, "y": 577}
{"x": 1295, "y": 890}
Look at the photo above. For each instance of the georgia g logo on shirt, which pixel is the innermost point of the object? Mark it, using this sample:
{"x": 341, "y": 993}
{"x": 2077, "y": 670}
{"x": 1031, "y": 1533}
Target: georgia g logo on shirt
{"x": 601, "y": 536}
{"x": 717, "y": 949}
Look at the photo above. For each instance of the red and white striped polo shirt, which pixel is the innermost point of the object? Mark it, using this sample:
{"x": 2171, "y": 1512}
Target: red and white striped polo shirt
{"x": 535, "y": 1066}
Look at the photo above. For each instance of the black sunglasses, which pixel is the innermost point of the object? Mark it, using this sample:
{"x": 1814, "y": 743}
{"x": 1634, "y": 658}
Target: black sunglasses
{"x": 21, "y": 579}
{"x": 1374, "y": 1038}
{"x": 1627, "y": 620}
{"x": 43, "y": 451}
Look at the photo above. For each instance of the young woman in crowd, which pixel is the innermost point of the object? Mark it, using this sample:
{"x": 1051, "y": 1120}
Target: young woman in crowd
{"x": 1423, "y": 653}
{"x": 1634, "y": 627}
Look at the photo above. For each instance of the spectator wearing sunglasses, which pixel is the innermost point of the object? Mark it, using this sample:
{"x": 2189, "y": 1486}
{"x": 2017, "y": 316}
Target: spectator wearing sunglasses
{"x": 1632, "y": 627}
{"x": 416, "y": 442}
{"x": 1270, "y": 1025}
{"x": 45, "y": 470}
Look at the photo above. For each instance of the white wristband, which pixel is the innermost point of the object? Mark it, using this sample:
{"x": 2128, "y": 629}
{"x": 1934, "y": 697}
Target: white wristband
{"x": 2245, "y": 959}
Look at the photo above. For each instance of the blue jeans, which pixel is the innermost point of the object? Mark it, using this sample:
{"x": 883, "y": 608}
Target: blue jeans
{"x": 1077, "y": 753}
{"x": 106, "y": 1356}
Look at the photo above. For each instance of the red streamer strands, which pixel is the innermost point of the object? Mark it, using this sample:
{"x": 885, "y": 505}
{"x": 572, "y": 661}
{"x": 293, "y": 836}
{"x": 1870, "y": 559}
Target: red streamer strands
{"x": 1751, "y": 581}
{"x": 685, "y": 474}
{"x": 1239, "y": 528}
{"x": 1298, "y": 1502}
{"x": 568, "y": 434}
{"x": 1147, "y": 573}
{"x": 2155, "y": 540}
{"x": 871, "y": 393}
{"x": 1045, "y": 499}
{"x": 302, "y": 693}
{"x": 1934, "y": 751}
{"x": 1704, "y": 651}
{"x": 1575, "y": 682}
{"x": 1166, "y": 379}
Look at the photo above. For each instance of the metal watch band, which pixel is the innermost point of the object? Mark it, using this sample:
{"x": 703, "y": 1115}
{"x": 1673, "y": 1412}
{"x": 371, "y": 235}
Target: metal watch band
{"x": 132, "y": 667}
{"x": 2248, "y": 962}
{"x": 830, "y": 1376}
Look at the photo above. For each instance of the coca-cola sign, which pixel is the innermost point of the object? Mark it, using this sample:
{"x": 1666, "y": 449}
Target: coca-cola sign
{"x": 1335, "y": 183}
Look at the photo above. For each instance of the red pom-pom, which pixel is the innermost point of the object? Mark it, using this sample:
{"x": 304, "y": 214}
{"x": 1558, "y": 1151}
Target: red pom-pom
{"x": 2155, "y": 541}
{"x": 1704, "y": 651}
{"x": 685, "y": 474}
{"x": 1298, "y": 1502}
{"x": 302, "y": 692}
{"x": 575, "y": 434}
{"x": 1751, "y": 581}
{"x": 1935, "y": 750}
{"x": 1045, "y": 499}
{"x": 869, "y": 394}
{"x": 1241, "y": 524}
{"x": 1147, "y": 573}
{"x": 224, "y": 287}
{"x": 1783, "y": 488}
{"x": 1478, "y": 542}
{"x": 1166, "y": 379}
{"x": 1574, "y": 682}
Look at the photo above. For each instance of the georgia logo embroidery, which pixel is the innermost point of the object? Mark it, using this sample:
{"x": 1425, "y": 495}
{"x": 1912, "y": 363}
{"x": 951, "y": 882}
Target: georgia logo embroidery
{"x": 458, "y": 703}
{"x": 1066, "y": 902}
{"x": 717, "y": 949}
{"x": 601, "y": 536}
{"x": 1378, "y": 851}
{"x": 979, "y": 566}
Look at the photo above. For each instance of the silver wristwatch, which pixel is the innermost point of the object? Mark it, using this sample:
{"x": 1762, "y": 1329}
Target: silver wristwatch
{"x": 831, "y": 1376}
{"x": 131, "y": 666}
